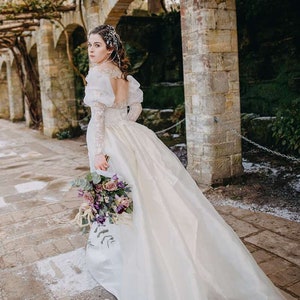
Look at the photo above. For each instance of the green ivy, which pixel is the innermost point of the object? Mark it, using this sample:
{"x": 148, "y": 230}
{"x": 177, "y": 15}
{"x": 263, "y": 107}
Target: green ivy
{"x": 81, "y": 60}
{"x": 31, "y": 6}
{"x": 286, "y": 128}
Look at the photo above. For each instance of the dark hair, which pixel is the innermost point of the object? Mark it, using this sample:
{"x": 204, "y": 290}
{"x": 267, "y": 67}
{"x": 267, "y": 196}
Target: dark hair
{"x": 114, "y": 43}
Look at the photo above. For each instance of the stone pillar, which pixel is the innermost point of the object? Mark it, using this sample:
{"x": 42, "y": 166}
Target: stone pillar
{"x": 15, "y": 94}
{"x": 56, "y": 83}
{"x": 211, "y": 83}
{"x": 4, "y": 100}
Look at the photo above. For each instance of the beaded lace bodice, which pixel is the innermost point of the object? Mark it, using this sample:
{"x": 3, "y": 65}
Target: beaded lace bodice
{"x": 108, "y": 106}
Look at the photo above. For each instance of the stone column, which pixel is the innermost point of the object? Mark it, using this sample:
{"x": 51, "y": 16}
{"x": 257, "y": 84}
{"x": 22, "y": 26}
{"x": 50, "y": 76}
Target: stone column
{"x": 15, "y": 94}
{"x": 211, "y": 83}
{"x": 56, "y": 83}
{"x": 4, "y": 99}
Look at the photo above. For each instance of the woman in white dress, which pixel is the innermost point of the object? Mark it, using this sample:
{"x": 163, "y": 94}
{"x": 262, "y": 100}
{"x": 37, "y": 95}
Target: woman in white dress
{"x": 175, "y": 246}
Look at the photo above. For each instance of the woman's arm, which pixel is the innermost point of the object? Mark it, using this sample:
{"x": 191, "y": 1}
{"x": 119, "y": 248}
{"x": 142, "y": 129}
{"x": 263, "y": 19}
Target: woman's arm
{"x": 135, "y": 110}
{"x": 99, "y": 116}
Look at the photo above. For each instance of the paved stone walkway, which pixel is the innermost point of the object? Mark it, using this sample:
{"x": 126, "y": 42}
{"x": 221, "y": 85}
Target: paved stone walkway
{"x": 42, "y": 252}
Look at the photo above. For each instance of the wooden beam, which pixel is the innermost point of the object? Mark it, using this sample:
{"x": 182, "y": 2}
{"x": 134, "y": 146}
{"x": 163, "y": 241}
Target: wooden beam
{"x": 26, "y": 16}
{"x": 12, "y": 26}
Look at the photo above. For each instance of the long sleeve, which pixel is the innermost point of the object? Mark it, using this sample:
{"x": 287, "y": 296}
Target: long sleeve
{"x": 135, "y": 110}
{"x": 99, "y": 121}
{"x": 135, "y": 97}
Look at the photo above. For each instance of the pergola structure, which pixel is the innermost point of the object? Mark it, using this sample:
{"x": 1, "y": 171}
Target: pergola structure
{"x": 20, "y": 18}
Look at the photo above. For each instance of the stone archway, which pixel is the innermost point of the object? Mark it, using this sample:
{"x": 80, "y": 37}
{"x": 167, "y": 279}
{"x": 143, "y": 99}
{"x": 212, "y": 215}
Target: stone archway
{"x": 56, "y": 80}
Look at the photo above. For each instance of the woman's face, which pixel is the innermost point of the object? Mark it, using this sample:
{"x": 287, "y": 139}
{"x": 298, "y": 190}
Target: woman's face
{"x": 97, "y": 50}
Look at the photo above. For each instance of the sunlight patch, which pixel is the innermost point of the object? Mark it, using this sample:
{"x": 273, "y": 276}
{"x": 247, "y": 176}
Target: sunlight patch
{"x": 30, "y": 186}
{"x": 66, "y": 274}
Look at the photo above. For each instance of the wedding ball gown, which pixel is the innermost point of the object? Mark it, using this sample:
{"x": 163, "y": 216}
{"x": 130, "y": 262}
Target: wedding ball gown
{"x": 175, "y": 246}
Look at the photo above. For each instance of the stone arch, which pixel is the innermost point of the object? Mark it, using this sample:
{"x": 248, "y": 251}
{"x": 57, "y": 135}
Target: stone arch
{"x": 57, "y": 80}
{"x": 4, "y": 100}
{"x": 68, "y": 76}
{"x": 117, "y": 12}
{"x": 103, "y": 11}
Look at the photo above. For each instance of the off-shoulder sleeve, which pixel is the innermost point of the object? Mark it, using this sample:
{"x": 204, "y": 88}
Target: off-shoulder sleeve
{"x": 135, "y": 98}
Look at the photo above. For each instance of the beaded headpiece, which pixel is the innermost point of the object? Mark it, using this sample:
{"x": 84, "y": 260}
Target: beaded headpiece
{"x": 111, "y": 37}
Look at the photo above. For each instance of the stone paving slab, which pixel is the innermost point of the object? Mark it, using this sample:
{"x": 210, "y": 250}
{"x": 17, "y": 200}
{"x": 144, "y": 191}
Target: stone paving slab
{"x": 42, "y": 252}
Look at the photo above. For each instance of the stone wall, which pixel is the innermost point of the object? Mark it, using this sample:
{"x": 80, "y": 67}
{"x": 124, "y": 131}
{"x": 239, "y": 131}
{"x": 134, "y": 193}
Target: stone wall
{"x": 211, "y": 82}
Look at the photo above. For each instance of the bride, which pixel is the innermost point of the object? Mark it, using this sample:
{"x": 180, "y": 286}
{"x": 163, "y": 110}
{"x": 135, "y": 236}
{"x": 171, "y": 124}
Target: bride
{"x": 175, "y": 246}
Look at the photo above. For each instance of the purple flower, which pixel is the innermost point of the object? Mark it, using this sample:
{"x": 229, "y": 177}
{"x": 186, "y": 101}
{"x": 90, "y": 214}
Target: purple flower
{"x": 100, "y": 219}
{"x": 80, "y": 193}
{"x": 121, "y": 185}
{"x": 115, "y": 177}
{"x": 120, "y": 209}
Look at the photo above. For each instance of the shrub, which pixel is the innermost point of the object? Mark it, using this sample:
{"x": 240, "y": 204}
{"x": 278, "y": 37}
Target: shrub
{"x": 286, "y": 128}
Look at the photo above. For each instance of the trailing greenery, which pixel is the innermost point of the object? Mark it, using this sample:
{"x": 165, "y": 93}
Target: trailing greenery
{"x": 81, "y": 61}
{"x": 68, "y": 133}
{"x": 286, "y": 128}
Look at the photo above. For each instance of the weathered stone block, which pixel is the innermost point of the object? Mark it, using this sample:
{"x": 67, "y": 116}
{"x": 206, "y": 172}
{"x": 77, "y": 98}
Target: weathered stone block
{"x": 219, "y": 41}
{"x": 219, "y": 82}
{"x": 226, "y": 19}
{"x": 218, "y": 150}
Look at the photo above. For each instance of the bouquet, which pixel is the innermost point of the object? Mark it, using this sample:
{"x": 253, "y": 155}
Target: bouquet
{"x": 105, "y": 198}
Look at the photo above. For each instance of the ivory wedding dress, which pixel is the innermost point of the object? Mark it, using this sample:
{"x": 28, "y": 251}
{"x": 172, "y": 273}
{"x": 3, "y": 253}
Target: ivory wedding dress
{"x": 175, "y": 246}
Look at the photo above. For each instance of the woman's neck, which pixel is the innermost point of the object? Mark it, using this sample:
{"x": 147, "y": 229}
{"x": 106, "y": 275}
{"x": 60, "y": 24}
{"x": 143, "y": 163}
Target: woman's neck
{"x": 105, "y": 64}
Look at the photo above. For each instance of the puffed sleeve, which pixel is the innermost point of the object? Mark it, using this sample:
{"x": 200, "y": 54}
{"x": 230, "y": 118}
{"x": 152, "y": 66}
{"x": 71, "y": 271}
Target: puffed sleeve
{"x": 98, "y": 89}
{"x": 135, "y": 98}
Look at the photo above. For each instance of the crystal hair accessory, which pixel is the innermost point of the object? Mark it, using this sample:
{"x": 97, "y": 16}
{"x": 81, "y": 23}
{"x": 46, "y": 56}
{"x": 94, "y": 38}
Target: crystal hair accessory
{"x": 112, "y": 40}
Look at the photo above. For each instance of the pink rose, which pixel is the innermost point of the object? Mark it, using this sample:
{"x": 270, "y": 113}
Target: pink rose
{"x": 125, "y": 201}
{"x": 88, "y": 197}
{"x": 110, "y": 186}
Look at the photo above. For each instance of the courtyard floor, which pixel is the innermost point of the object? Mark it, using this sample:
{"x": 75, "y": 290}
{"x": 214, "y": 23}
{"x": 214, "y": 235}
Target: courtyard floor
{"x": 42, "y": 251}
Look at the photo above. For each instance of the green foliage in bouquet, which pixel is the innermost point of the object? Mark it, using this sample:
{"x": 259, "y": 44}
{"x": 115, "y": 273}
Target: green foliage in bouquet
{"x": 105, "y": 198}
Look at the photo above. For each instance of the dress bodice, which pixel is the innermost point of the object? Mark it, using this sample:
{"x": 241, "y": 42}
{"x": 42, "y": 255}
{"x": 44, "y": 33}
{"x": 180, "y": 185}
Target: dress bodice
{"x": 105, "y": 109}
{"x": 99, "y": 88}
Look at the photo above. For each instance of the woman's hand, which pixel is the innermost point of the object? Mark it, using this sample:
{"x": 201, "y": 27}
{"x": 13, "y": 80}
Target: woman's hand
{"x": 101, "y": 162}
